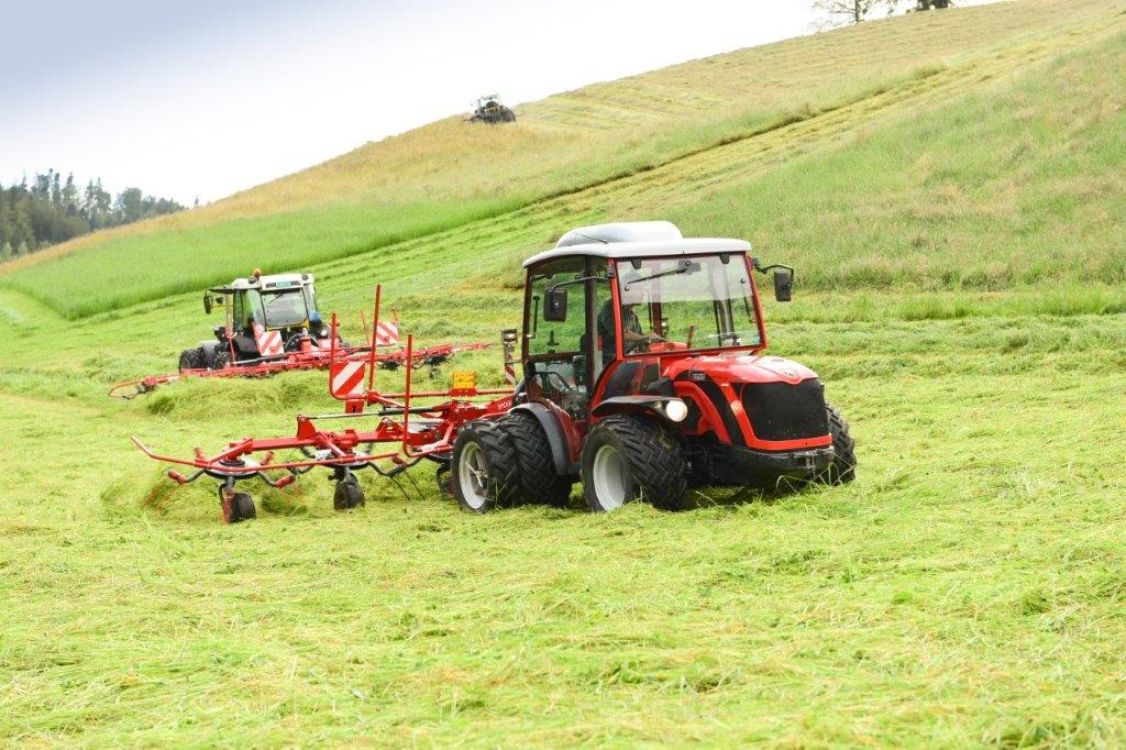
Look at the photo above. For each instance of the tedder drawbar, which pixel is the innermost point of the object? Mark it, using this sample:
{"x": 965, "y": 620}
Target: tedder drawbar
{"x": 643, "y": 375}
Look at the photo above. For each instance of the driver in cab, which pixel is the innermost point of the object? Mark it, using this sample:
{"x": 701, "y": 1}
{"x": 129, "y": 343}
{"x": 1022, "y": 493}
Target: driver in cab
{"x": 633, "y": 337}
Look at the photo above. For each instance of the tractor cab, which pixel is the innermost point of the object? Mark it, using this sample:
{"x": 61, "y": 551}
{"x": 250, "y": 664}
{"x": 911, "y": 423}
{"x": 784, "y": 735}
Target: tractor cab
{"x": 644, "y": 374}
{"x": 603, "y": 311}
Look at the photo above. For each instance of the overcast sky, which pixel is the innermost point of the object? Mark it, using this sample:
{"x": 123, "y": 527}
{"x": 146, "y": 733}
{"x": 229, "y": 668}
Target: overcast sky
{"x": 209, "y": 97}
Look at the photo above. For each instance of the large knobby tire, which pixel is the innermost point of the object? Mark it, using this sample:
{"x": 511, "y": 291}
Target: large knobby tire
{"x": 843, "y": 468}
{"x": 191, "y": 359}
{"x": 535, "y": 467}
{"x": 483, "y": 468}
{"x": 633, "y": 458}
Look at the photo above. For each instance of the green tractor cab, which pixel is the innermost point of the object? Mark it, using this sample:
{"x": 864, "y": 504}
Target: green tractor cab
{"x": 267, "y": 317}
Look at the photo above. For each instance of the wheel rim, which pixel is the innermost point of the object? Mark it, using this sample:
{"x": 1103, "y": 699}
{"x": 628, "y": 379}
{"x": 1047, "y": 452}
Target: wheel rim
{"x": 473, "y": 476}
{"x": 609, "y": 475}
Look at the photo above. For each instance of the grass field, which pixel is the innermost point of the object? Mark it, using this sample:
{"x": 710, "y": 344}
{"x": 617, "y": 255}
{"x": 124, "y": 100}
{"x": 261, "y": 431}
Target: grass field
{"x": 956, "y": 220}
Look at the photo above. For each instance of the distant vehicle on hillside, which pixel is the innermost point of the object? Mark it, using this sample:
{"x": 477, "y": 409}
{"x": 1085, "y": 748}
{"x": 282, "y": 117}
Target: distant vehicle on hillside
{"x": 489, "y": 109}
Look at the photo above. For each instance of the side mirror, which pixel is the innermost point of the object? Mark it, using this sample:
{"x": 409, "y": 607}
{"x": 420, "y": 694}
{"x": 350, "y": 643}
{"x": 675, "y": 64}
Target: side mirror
{"x": 783, "y": 284}
{"x": 207, "y": 303}
{"x": 555, "y": 305}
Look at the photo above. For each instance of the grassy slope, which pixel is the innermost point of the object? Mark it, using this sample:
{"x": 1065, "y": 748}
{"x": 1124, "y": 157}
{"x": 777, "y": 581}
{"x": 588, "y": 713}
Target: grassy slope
{"x": 385, "y": 192}
{"x": 968, "y": 590}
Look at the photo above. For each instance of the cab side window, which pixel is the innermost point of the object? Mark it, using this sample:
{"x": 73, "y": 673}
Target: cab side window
{"x": 557, "y": 337}
{"x": 557, "y": 356}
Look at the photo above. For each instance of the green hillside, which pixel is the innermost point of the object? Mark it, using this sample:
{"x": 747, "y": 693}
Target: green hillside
{"x": 767, "y": 104}
{"x": 950, "y": 188}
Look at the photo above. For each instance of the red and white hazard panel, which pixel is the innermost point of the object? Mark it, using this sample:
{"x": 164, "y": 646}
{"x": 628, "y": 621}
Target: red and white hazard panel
{"x": 347, "y": 379}
{"x": 387, "y": 334}
{"x": 269, "y": 342}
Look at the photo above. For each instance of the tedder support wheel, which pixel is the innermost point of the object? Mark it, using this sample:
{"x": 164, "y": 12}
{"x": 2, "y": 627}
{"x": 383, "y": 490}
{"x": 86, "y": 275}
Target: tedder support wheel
{"x": 349, "y": 494}
{"x": 191, "y": 359}
{"x": 629, "y": 458}
{"x": 843, "y": 468}
{"x": 442, "y": 478}
{"x": 536, "y": 478}
{"x": 483, "y": 467}
{"x": 239, "y": 506}
{"x": 222, "y": 359}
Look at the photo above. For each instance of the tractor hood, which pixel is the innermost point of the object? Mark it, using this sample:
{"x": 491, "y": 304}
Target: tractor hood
{"x": 741, "y": 369}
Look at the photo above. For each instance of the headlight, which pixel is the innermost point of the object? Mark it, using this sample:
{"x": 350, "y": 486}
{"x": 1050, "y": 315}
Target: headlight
{"x": 676, "y": 410}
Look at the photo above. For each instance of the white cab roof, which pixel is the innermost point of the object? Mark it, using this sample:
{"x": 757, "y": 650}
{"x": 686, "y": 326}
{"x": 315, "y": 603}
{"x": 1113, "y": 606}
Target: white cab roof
{"x": 266, "y": 282}
{"x": 635, "y": 239}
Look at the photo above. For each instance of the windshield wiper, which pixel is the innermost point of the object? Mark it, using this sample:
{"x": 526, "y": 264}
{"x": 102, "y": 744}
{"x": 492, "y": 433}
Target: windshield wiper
{"x": 684, "y": 266}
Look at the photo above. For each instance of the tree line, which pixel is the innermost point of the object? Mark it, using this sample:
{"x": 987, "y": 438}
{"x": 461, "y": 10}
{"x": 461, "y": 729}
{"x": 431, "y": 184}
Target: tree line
{"x": 51, "y": 209}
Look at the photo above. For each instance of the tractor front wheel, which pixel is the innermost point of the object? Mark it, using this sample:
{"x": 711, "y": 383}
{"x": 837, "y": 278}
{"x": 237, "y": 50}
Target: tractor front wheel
{"x": 843, "y": 468}
{"x": 191, "y": 359}
{"x": 483, "y": 468}
{"x": 633, "y": 458}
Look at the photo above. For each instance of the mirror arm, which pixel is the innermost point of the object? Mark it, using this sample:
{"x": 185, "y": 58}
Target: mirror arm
{"x": 572, "y": 282}
{"x": 773, "y": 266}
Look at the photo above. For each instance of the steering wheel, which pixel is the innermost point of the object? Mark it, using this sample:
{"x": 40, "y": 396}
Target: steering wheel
{"x": 641, "y": 345}
{"x": 633, "y": 347}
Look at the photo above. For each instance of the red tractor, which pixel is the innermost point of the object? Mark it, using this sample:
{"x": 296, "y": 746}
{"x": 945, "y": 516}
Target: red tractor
{"x": 644, "y": 376}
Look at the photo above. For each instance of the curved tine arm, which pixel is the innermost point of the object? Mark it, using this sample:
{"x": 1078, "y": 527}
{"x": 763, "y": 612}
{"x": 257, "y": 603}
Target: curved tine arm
{"x": 251, "y": 470}
{"x": 163, "y": 459}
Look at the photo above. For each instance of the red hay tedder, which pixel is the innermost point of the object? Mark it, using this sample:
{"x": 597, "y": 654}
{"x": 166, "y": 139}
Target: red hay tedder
{"x": 633, "y": 415}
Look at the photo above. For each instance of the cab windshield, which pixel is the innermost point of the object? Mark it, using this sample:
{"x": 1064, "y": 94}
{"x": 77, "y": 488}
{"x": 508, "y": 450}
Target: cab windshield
{"x": 284, "y": 309}
{"x": 698, "y": 302}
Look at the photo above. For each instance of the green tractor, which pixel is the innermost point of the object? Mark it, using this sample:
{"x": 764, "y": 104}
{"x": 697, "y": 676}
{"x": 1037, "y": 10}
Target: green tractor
{"x": 268, "y": 318}
{"x": 489, "y": 109}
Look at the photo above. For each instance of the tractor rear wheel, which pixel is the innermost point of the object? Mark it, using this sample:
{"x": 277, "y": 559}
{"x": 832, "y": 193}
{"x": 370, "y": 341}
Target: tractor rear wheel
{"x": 349, "y": 494}
{"x": 535, "y": 467}
{"x": 191, "y": 359}
{"x": 483, "y": 467}
{"x": 633, "y": 458}
{"x": 843, "y": 468}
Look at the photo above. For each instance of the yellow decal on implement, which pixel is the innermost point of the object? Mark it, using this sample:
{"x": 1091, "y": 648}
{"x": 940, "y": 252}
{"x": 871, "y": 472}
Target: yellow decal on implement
{"x": 464, "y": 380}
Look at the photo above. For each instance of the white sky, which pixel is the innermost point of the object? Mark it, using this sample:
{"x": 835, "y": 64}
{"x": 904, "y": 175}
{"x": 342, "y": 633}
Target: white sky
{"x": 207, "y": 98}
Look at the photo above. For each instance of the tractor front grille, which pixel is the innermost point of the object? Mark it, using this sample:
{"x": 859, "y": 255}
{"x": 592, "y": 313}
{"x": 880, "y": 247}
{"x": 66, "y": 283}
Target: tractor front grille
{"x": 780, "y": 411}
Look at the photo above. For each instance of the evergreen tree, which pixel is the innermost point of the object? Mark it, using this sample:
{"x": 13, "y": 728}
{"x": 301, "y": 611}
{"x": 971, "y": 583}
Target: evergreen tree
{"x": 70, "y": 196}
